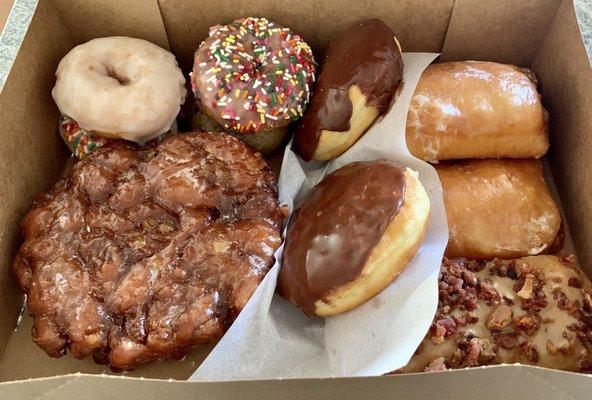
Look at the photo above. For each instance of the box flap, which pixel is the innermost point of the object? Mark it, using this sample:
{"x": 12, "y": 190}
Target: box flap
{"x": 86, "y": 20}
{"x": 500, "y": 382}
{"x": 420, "y": 25}
{"x": 512, "y": 33}
{"x": 31, "y": 154}
{"x": 34, "y": 389}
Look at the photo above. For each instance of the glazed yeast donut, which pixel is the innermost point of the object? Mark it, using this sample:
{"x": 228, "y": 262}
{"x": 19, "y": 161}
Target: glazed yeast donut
{"x": 118, "y": 87}
{"x": 474, "y": 109}
{"x": 360, "y": 74}
{"x": 498, "y": 208}
{"x": 352, "y": 235}
{"x": 252, "y": 76}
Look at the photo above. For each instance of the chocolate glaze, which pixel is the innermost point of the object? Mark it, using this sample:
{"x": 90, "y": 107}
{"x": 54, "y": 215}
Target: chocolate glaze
{"x": 335, "y": 228}
{"x": 365, "y": 55}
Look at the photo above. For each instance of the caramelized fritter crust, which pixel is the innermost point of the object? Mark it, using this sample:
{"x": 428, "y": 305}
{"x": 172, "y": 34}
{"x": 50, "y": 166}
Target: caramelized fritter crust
{"x": 142, "y": 253}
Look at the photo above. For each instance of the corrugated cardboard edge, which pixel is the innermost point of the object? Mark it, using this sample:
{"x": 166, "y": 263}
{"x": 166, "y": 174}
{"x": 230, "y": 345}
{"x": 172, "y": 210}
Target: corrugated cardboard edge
{"x": 485, "y": 383}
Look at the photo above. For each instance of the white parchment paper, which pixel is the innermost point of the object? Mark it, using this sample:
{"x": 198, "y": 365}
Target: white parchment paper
{"x": 271, "y": 338}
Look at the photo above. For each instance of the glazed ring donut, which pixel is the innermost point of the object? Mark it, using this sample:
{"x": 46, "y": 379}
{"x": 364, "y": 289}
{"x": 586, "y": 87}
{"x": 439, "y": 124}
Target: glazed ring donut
{"x": 120, "y": 87}
{"x": 352, "y": 235}
{"x": 252, "y": 75}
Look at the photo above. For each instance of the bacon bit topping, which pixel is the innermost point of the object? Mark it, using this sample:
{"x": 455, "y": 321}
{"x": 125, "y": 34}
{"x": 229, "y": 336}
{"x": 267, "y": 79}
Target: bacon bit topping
{"x": 575, "y": 282}
{"x": 488, "y": 292}
{"x": 526, "y": 291}
{"x": 473, "y": 352}
{"x": 530, "y": 351}
{"x": 465, "y": 285}
{"x": 587, "y": 300}
{"x": 505, "y": 340}
{"x": 437, "y": 365}
{"x": 567, "y": 259}
{"x": 438, "y": 336}
{"x": 499, "y": 318}
{"x": 527, "y": 323}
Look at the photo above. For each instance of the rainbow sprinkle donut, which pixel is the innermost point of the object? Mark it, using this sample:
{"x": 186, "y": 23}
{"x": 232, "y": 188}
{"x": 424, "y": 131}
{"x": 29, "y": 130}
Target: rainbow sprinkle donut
{"x": 79, "y": 140}
{"x": 252, "y": 75}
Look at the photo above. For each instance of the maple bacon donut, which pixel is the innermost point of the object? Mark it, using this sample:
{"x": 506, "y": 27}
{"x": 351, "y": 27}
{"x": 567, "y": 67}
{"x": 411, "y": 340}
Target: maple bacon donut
{"x": 252, "y": 76}
{"x": 117, "y": 88}
{"x": 533, "y": 310}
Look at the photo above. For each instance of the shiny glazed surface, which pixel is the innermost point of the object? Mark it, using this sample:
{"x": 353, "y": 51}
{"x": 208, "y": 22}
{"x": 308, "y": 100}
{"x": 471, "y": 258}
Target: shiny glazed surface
{"x": 498, "y": 208}
{"x": 142, "y": 253}
{"x": 120, "y": 87}
{"x": 475, "y": 109}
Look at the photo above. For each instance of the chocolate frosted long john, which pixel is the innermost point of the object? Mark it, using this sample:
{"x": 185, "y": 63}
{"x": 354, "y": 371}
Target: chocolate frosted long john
{"x": 365, "y": 56}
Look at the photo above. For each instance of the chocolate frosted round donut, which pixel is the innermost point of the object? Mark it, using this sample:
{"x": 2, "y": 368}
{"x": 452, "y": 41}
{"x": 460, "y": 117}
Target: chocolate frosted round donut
{"x": 359, "y": 77}
{"x": 143, "y": 253}
{"x": 352, "y": 235}
{"x": 119, "y": 87}
{"x": 252, "y": 75}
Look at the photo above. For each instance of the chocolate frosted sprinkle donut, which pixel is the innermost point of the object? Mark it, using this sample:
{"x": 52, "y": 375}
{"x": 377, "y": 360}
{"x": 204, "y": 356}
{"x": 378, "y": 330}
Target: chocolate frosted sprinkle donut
{"x": 253, "y": 75}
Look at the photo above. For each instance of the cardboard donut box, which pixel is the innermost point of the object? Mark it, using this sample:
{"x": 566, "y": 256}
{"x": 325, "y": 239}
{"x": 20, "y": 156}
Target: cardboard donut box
{"x": 540, "y": 34}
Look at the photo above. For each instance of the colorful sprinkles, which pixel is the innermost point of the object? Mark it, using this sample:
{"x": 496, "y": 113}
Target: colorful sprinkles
{"x": 253, "y": 75}
{"x": 80, "y": 141}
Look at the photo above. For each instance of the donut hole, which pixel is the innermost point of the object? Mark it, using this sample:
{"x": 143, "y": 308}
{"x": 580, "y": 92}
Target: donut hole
{"x": 117, "y": 75}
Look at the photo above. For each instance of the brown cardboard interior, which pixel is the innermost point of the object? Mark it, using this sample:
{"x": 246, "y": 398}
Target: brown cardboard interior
{"x": 85, "y": 20}
{"x": 501, "y": 31}
{"x": 540, "y": 33}
{"x": 567, "y": 95}
{"x": 420, "y": 25}
{"x": 31, "y": 155}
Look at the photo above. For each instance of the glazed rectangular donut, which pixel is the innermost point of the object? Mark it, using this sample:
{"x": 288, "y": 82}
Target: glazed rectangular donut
{"x": 533, "y": 310}
{"x": 498, "y": 208}
{"x": 474, "y": 109}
